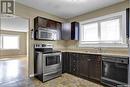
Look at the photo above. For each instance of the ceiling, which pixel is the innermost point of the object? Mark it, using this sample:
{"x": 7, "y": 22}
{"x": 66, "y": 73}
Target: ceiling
{"x": 14, "y": 24}
{"x": 68, "y": 8}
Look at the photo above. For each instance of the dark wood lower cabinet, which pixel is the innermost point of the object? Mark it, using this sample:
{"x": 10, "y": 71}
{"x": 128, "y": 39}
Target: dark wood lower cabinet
{"x": 74, "y": 63}
{"x": 65, "y": 62}
{"x": 94, "y": 64}
{"x": 82, "y": 65}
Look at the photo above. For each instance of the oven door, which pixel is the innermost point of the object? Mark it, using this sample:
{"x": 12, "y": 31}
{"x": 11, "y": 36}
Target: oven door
{"x": 114, "y": 73}
{"x": 52, "y": 62}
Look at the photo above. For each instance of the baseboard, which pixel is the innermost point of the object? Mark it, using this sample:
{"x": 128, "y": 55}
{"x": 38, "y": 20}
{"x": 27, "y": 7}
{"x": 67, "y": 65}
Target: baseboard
{"x": 12, "y": 56}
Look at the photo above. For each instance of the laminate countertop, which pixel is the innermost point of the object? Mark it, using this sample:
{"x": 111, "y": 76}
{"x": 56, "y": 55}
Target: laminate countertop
{"x": 124, "y": 55}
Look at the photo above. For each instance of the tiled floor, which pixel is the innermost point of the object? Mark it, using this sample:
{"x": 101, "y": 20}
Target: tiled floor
{"x": 13, "y": 69}
{"x": 66, "y": 80}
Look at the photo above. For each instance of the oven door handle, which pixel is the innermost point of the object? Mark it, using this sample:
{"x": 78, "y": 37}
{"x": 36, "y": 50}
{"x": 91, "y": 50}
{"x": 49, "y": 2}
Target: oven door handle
{"x": 51, "y": 73}
{"x": 112, "y": 61}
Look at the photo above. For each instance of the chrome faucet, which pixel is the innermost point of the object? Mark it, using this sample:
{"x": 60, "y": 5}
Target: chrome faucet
{"x": 100, "y": 50}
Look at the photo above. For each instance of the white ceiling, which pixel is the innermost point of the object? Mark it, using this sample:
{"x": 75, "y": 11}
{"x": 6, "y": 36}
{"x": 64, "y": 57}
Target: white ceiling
{"x": 14, "y": 24}
{"x": 68, "y": 8}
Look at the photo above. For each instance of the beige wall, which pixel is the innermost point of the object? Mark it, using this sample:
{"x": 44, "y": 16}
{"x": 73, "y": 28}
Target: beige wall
{"x": 22, "y": 41}
{"x": 101, "y": 12}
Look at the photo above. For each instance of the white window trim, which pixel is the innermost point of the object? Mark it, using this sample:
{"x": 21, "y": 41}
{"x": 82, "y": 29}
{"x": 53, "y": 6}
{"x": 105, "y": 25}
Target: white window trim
{"x": 121, "y": 14}
{"x": 11, "y": 35}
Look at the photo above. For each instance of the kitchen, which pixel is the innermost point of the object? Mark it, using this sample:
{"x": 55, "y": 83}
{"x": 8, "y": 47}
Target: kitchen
{"x": 83, "y": 52}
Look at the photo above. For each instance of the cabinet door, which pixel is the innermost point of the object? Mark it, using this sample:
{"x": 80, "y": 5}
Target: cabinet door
{"x": 98, "y": 67}
{"x": 58, "y": 26}
{"x": 74, "y": 31}
{"x": 51, "y": 24}
{"x": 83, "y": 65}
{"x": 46, "y": 23}
{"x": 94, "y": 67}
{"x": 42, "y": 22}
{"x": 65, "y": 63}
{"x": 73, "y": 63}
{"x": 66, "y": 32}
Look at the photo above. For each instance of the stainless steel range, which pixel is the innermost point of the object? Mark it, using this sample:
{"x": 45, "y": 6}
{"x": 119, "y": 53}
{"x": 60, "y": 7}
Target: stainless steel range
{"x": 47, "y": 62}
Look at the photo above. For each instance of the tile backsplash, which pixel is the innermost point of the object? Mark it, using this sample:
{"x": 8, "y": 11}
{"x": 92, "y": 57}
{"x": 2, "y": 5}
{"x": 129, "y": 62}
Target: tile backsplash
{"x": 74, "y": 45}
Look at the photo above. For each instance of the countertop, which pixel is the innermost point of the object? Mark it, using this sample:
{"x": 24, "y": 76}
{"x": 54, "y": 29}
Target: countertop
{"x": 100, "y": 53}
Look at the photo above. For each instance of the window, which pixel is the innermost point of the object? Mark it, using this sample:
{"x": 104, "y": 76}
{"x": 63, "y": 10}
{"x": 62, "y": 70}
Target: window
{"x": 0, "y": 41}
{"x": 105, "y": 31}
{"x": 90, "y": 30}
{"x": 110, "y": 30}
{"x": 9, "y": 42}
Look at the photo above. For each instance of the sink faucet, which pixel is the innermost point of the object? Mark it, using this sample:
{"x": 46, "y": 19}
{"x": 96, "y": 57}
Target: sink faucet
{"x": 99, "y": 50}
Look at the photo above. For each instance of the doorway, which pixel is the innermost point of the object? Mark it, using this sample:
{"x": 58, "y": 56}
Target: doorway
{"x": 14, "y": 49}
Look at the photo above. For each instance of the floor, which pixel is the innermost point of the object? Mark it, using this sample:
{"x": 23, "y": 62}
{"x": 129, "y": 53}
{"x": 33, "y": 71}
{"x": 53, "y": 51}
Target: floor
{"x": 13, "y": 69}
{"x": 66, "y": 80}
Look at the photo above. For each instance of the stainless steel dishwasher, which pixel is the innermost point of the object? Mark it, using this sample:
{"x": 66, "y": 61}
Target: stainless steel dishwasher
{"x": 114, "y": 70}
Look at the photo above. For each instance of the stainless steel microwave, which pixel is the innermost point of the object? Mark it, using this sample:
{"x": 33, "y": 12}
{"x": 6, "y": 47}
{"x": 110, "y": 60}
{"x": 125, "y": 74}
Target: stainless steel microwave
{"x": 47, "y": 34}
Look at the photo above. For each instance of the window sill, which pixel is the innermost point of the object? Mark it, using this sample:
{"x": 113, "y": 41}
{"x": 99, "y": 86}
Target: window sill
{"x": 9, "y": 49}
{"x": 104, "y": 45}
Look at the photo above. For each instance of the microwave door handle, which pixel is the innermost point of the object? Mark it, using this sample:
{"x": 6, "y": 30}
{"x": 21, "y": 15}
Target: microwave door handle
{"x": 60, "y": 59}
{"x": 39, "y": 34}
{"x": 52, "y": 36}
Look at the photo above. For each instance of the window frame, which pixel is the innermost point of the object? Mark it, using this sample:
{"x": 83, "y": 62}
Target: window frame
{"x": 121, "y": 15}
{"x": 2, "y": 35}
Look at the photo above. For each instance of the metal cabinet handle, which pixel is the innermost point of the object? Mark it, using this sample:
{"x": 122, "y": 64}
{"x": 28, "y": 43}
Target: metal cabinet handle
{"x": 73, "y": 69}
{"x": 89, "y": 59}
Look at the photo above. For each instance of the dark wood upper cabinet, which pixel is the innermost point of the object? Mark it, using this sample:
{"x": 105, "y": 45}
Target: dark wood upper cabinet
{"x": 59, "y": 25}
{"x": 46, "y": 23}
{"x": 127, "y": 22}
{"x": 51, "y": 24}
{"x": 70, "y": 31}
{"x": 74, "y": 31}
{"x": 40, "y": 22}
